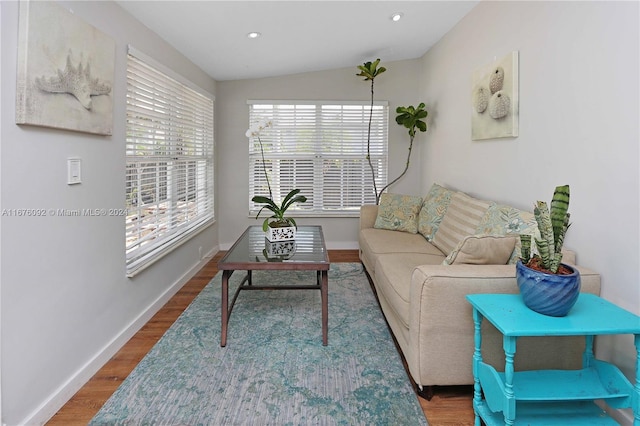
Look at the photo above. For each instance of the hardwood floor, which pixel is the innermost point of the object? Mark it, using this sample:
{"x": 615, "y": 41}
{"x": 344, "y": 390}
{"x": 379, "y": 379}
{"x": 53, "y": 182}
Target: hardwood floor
{"x": 450, "y": 406}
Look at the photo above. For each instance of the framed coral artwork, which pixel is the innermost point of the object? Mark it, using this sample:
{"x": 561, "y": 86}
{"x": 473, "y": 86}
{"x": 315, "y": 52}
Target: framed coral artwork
{"x": 495, "y": 100}
{"x": 65, "y": 71}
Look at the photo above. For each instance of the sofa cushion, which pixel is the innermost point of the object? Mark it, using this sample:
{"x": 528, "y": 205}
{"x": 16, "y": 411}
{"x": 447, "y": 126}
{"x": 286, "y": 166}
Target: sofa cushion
{"x": 374, "y": 242}
{"x": 461, "y": 219}
{"x": 393, "y": 277}
{"x": 503, "y": 219}
{"x": 433, "y": 210}
{"x": 482, "y": 250}
{"x": 398, "y": 212}
{"x": 380, "y": 241}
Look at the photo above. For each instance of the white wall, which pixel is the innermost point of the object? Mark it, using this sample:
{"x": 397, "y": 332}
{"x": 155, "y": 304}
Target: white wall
{"x": 395, "y": 86}
{"x": 66, "y": 304}
{"x": 579, "y": 97}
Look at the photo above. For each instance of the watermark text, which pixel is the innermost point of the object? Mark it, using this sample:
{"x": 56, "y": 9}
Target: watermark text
{"x": 51, "y": 212}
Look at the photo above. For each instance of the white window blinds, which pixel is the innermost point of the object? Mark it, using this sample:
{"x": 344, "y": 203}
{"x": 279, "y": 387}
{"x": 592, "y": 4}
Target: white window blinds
{"x": 320, "y": 148}
{"x": 169, "y": 162}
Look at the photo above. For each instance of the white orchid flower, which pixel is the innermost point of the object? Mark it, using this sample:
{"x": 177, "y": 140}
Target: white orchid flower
{"x": 258, "y": 127}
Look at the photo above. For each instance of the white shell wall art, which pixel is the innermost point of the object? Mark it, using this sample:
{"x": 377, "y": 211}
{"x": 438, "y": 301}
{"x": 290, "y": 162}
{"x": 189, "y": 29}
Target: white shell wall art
{"x": 480, "y": 99}
{"x": 76, "y": 81}
{"x": 499, "y": 105}
{"x": 495, "y": 99}
{"x": 66, "y": 70}
{"x": 496, "y": 80}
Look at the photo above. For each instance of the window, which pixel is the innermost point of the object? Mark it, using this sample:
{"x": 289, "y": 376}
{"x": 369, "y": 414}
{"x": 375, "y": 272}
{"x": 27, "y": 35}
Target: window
{"x": 169, "y": 161}
{"x": 320, "y": 148}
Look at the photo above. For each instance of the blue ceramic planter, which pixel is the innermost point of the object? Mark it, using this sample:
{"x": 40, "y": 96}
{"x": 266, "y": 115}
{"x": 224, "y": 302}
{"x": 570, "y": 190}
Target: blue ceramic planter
{"x": 548, "y": 294}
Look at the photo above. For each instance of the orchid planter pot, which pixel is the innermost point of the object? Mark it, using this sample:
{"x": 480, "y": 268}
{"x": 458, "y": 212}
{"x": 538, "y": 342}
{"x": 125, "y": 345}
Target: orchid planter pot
{"x": 283, "y": 249}
{"x": 284, "y": 233}
{"x": 548, "y": 294}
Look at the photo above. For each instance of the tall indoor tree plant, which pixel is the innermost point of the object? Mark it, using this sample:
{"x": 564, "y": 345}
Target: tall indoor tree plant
{"x": 410, "y": 117}
{"x": 370, "y": 70}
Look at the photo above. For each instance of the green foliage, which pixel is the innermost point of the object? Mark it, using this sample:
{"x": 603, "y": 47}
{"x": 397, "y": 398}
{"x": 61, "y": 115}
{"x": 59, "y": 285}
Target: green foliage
{"x": 370, "y": 70}
{"x": 553, "y": 225}
{"x": 279, "y": 211}
{"x": 560, "y": 215}
{"x": 525, "y": 250}
{"x": 412, "y": 117}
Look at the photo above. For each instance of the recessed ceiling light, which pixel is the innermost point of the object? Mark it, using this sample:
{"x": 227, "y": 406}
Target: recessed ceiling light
{"x": 254, "y": 35}
{"x": 397, "y": 16}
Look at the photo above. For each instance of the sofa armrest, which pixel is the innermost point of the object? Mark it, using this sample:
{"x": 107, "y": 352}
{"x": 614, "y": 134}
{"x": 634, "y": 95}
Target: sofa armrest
{"x": 442, "y": 286}
{"x": 439, "y": 312}
{"x": 368, "y": 214}
{"x": 438, "y": 292}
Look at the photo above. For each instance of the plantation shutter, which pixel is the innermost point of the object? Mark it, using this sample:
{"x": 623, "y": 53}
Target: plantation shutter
{"x": 321, "y": 149}
{"x": 169, "y": 161}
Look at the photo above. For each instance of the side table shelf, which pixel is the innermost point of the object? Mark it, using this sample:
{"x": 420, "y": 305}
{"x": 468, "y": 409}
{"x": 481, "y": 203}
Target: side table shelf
{"x": 551, "y": 397}
{"x": 582, "y": 413}
{"x": 570, "y": 398}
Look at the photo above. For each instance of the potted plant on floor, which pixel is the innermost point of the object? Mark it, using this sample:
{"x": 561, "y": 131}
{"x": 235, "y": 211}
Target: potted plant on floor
{"x": 548, "y": 286}
{"x": 277, "y": 227}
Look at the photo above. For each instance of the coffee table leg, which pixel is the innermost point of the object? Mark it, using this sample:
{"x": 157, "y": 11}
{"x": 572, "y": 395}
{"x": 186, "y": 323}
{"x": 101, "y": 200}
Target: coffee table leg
{"x": 324, "y": 292}
{"x": 225, "y": 307}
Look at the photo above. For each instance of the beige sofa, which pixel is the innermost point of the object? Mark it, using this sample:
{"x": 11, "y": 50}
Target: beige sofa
{"x": 424, "y": 300}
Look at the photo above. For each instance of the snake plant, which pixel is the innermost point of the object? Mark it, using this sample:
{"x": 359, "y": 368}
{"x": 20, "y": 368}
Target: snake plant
{"x": 552, "y": 224}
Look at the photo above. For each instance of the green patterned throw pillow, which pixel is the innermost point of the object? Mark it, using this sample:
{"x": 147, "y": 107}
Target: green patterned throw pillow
{"x": 398, "y": 212}
{"x": 504, "y": 220}
{"x": 433, "y": 210}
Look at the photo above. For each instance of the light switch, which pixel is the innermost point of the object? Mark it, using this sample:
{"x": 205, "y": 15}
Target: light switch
{"x": 74, "y": 171}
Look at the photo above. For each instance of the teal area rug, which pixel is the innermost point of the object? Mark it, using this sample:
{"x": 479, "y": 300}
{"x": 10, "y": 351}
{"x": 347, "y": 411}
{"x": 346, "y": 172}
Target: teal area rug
{"x": 274, "y": 369}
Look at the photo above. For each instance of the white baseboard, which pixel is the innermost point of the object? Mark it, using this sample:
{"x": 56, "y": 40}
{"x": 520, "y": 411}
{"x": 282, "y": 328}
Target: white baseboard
{"x": 343, "y": 245}
{"x": 60, "y": 397}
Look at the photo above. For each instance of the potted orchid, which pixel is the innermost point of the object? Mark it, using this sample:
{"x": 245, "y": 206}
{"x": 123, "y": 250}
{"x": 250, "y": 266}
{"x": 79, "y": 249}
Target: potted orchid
{"x": 277, "y": 227}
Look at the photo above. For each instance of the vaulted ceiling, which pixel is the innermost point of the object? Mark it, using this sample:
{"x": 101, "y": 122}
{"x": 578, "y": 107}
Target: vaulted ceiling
{"x": 297, "y": 35}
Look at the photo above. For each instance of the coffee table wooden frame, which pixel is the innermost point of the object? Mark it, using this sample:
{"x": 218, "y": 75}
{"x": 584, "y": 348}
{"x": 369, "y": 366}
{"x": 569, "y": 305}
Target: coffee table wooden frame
{"x": 319, "y": 263}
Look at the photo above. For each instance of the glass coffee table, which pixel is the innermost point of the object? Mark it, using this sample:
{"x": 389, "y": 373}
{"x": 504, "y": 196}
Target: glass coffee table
{"x": 253, "y": 252}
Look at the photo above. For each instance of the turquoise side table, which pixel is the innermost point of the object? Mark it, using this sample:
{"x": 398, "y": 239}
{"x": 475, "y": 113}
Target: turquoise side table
{"x": 551, "y": 397}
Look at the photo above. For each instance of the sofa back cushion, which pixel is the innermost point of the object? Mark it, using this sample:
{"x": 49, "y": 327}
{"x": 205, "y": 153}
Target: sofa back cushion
{"x": 398, "y": 212}
{"x": 461, "y": 219}
{"x": 435, "y": 206}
